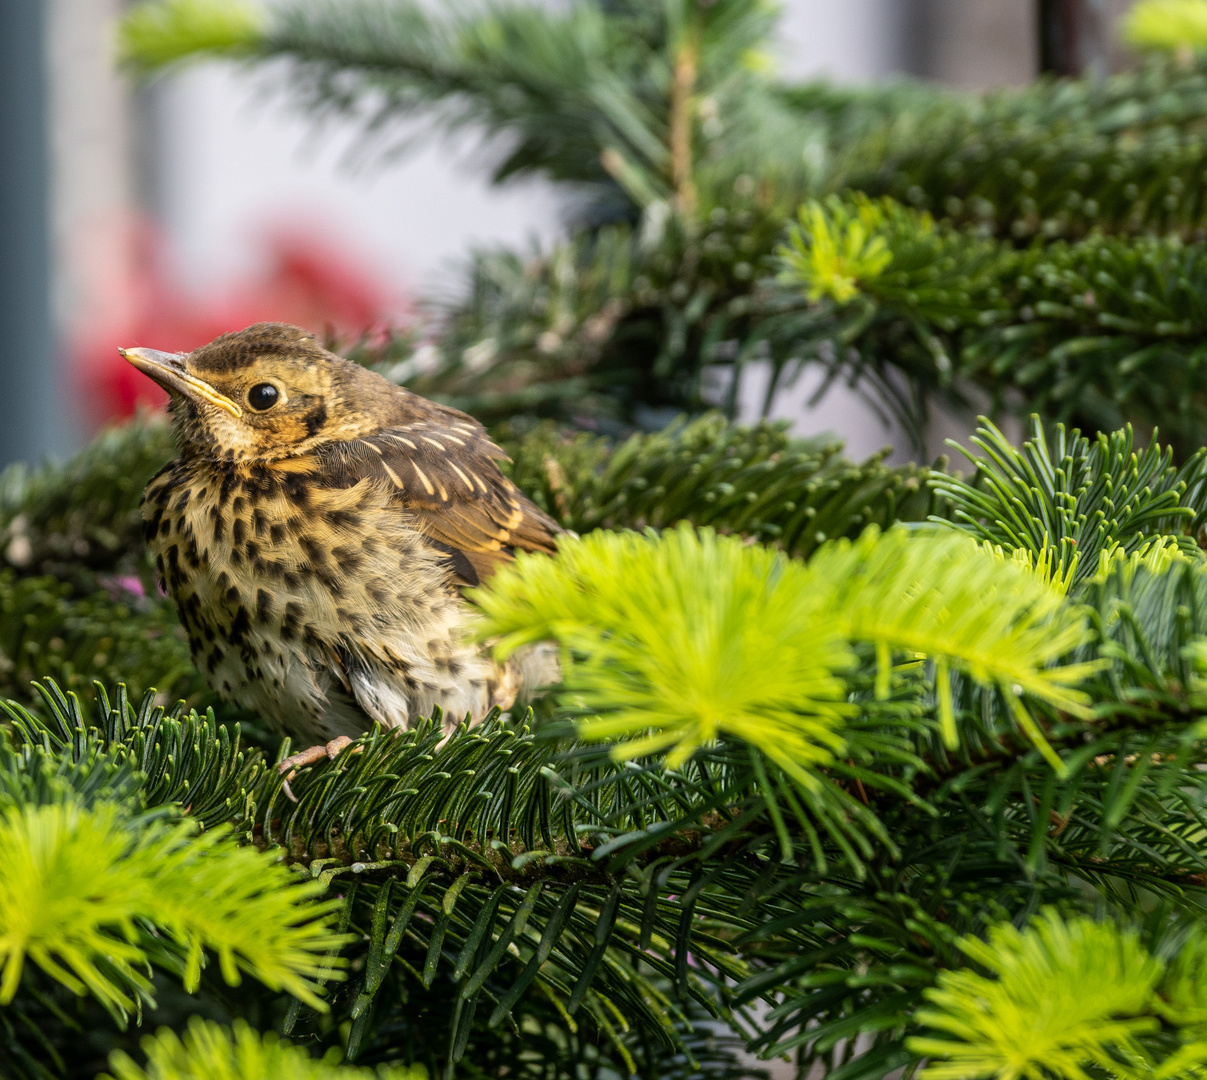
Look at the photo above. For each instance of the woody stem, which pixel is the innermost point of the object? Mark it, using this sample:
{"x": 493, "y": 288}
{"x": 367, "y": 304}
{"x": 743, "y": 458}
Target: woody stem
{"x": 682, "y": 107}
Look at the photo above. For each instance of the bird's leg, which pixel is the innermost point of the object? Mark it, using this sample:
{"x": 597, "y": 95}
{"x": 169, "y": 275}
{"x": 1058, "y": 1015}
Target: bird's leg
{"x": 289, "y": 767}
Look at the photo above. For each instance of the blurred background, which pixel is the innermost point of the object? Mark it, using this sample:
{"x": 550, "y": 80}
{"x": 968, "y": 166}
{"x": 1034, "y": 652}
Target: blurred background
{"x": 166, "y": 212}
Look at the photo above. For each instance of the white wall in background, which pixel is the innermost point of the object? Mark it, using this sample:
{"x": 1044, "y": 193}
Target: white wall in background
{"x": 238, "y": 162}
{"x": 233, "y": 157}
{"x": 89, "y": 139}
{"x": 845, "y": 40}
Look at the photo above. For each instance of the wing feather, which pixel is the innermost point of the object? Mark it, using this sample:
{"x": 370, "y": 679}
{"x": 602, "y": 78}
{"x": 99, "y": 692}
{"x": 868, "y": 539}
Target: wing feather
{"x": 447, "y": 477}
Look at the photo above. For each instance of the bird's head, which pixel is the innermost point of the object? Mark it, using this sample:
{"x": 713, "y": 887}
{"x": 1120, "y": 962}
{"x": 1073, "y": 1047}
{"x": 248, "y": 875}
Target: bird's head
{"x": 267, "y": 392}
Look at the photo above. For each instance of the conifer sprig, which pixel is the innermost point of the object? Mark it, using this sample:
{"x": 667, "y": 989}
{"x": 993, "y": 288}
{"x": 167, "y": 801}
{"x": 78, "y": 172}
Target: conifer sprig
{"x": 155, "y": 35}
{"x": 1076, "y": 501}
{"x": 605, "y": 97}
{"x": 679, "y": 639}
{"x": 209, "y": 1051}
{"x": 758, "y": 481}
{"x": 82, "y": 885}
{"x": 182, "y": 758}
{"x": 691, "y": 649}
{"x": 1078, "y": 329}
{"x": 1069, "y": 997}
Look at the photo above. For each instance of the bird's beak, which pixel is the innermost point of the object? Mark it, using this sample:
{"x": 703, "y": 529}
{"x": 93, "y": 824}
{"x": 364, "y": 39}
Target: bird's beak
{"x": 168, "y": 370}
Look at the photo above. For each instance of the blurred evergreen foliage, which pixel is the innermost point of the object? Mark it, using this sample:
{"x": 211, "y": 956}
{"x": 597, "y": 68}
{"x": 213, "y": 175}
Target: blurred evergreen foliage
{"x": 1179, "y": 26}
{"x": 78, "y": 597}
{"x": 1093, "y": 332}
{"x": 684, "y": 159}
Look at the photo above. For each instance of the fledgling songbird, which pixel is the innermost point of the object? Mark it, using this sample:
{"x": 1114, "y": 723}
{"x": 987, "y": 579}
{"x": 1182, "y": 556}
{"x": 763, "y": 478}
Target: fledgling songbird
{"x": 315, "y": 531}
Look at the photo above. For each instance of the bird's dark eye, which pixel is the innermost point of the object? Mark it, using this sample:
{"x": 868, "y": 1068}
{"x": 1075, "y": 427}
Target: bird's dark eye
{"x": 262, "y": 396}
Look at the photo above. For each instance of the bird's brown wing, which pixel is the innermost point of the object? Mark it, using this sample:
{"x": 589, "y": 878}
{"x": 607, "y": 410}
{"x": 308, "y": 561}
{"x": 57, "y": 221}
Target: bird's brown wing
{"x": 446, "y": 475}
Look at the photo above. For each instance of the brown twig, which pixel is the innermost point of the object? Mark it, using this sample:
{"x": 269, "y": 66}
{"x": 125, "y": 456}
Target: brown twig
{"x": 682, "y": 108}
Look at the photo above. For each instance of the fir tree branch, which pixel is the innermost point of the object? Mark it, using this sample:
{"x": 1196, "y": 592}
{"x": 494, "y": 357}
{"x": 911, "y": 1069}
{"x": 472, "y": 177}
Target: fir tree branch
{"x": 82, "y": 883}
{"x": 208, "y": 1051}
{"x": 1077, "y": 328}
{"x": 1074, "y": 499}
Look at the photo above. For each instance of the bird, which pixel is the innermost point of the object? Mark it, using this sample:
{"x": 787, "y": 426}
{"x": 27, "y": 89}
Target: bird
{"x": 316, "y": 531}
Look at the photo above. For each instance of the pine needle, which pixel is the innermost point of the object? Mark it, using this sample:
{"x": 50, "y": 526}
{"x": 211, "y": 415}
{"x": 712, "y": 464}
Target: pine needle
{"x": 78, "y": 881}
{"x": 678, "y": 639}
{"x": 157, "y": 33}
{"x": 1067, "y": 996}
{"x": 209, "y": 1051}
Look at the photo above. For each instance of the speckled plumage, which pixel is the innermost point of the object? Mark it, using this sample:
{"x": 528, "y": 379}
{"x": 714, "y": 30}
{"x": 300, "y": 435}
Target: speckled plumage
{"x": 316, "y": 549}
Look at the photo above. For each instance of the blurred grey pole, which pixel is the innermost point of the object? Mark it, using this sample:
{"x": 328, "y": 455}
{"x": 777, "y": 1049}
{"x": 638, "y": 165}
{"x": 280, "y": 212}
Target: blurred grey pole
{"x": 973, "y": 44}
{"x": 1074, "y": 37}
{"x": 29, "y": 383}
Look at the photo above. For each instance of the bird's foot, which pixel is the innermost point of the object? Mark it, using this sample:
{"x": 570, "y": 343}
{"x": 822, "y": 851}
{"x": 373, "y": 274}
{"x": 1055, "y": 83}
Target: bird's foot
{"x": 289, "y": 767}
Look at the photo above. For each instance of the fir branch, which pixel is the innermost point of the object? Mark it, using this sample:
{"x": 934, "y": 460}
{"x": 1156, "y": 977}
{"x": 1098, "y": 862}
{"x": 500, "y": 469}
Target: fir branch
{"x": 642, "y": 817}
{"x": 611, "y": 324}
{"x": 182, "y": 759}
{"x": 499, "y": 876}
{"x": 1149, "y": 619}
{"x": 79, "y": 882}
{"x": 1052, "y": 160}
{"x": 77, "y": 593}
{"x": 1074, "y": 499}
{"x": 208, "y": 1051}
{"x": 1076, "y": 328}
{"x": 65, "y": 520}
{"x": 592, "y": 100}
{"x": 157, "y": 34}
{"x": 348, "y": 823}
{"x": 115, "y": 631}
{"x": 592, "y": 94}
{"x": 1069, "y": 995}
{"x": 756, "y": 481}
{"x": 683, "y": 637}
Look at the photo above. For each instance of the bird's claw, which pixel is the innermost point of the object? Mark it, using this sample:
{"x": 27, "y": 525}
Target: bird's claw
{"x": 290, "y": 765}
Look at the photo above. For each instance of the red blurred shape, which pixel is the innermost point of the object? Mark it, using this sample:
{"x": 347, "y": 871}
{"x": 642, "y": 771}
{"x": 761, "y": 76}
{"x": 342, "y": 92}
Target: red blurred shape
{"x": 309, "y": 282}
